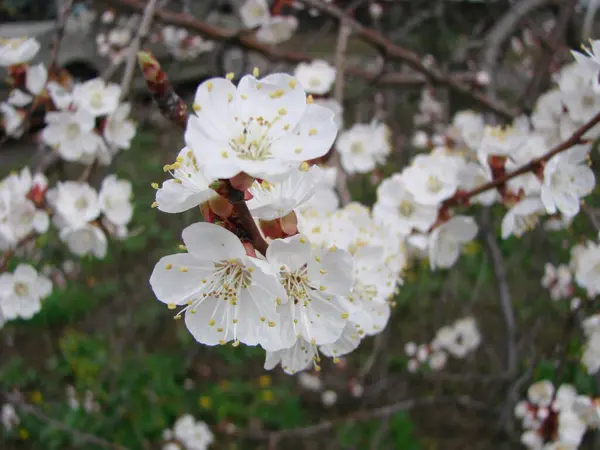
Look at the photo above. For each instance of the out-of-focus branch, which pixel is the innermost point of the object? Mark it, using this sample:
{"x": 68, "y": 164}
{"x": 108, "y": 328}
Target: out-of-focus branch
{"x": 462, "y": 198}
{"x": 341, "y": 181}
{"x": 59, "y": 33}
{"x": 80, "y": 436}
{"x": 134, "y": 47}
{"x": 506, "y": 306}
{"x": 249, "y": 42}
{"x": 392, "y": 51}
{"x": 360, "y": 416}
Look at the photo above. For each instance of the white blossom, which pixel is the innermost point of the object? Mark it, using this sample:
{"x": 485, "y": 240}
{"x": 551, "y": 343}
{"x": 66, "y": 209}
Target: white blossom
{"x": 119, "y": 129}
{"x": 316, "y": 77}
{"x": 263, "y": 127}
{"x": 22, "y": 291}
{"x": 114, "y": 198}
{"x": 445, "y": 241}
{"x": 96, "y": 97}
{"x": 191, "y": 433}
{"x": 363, "y": 146}
{"x": 17, "y": 50}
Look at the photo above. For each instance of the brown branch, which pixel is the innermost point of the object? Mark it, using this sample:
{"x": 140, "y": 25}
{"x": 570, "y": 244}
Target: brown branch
{"x": 534, "y": 164}
{"x": 392, "y": 51}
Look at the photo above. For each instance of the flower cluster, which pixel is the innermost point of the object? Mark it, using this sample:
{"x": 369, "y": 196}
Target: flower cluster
{"x": 328, "y": 274}
{"x": 85, "y": 122}
{"x": 187, "y": 434}
{"x": 181, "y": 45}
{"x": 22, "y": 211}
{"x": 22, "y": 292}
{"x": 84, "y": 216}
{"x": 458, "y": 340}
{"x": 555, "y": 418}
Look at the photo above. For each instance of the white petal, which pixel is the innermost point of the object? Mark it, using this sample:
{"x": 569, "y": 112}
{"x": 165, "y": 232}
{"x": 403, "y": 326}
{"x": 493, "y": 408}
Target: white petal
{"x": 293, "y": 252}
{"x": 35, "y": 78}
{"x": 210, "y": 242}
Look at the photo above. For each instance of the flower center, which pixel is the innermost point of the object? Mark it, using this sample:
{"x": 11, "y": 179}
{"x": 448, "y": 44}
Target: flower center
{"x": 81, "y": 203}
{"x": 296, "y": 285}
{"x": 97, "y": 100}
{"x": 254, "y": 143}
{"x": 314, "y": 82}
{"x": 433, "y": 184}
{"x": 406, "y": 208}
{"x": 21, "y": 289}
{"x": 357, "y": 148}
{"x": 258, "y": 11}
{"x": 526, "y": 223}
{"x": 73, "y": 130}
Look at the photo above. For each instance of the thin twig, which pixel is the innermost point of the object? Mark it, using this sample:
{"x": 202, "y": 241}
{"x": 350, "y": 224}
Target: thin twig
{"x": 341, "y": 181}
{"x": 59, "y": 33}
{"x": 506, "y": 306}
{"x": 134, "y": 47}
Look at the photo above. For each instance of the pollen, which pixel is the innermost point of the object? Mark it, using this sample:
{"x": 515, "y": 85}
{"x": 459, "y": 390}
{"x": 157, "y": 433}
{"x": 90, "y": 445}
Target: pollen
{"x": 312, "y": 131}
{"x": 323, "y": 271}
{"x": 277, "y": 94}
{"x": 171, "y": 306}
{"x": 225, "y": 155}
{"x": 230, "y": 97}
{"x": 302, "y": 240}
{"x": 154, "y": 205}
{"x": 183, "y": 269}
{"x": 256, "y": 72}
{"x": 317, "y": 259}
{"x": 298, "y": 151}
{"x": 235, "y": 343}
{"x": 220, "y": 330}
{"x": 230, "y": 76}
{"x": 177, "y": 317}
{"x": 292, "y": 84}
{"x": 182, "y": 247}
{"x": 209, "y": 86}
{"x": 271, "y": 324}
{"x": 244, "y": 96}
{"x": 196, "y": 107}
{"x": 333, "y": 248}
{"x": 169, "y": 266}
{"x": 282, "y": 111}
{"x": 322, "y": 288}
{"x": 211, "y": 322}
{"x": 345, "y": 315}
{"x": 154, "y": 185}
{"x": 234, "y": 321}
{"x": 286, "y": 126}
{"x": 304, "y": 166}
{"x": 309, "y": 99}
{"x": 262, "y": 319}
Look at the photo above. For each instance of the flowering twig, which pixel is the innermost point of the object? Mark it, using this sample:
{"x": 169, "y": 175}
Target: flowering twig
{"x": 462, "y": 198}
{"x": 174, "y": 108}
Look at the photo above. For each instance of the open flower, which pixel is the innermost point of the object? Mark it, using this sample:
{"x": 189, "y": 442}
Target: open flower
{"x": 83, "y": 240}
{"x": 522, "y": 217}
{"x": 75, "y": 203}
{"x": 567, "y": 178}
{"x": 254, "y": 13}
{"x": 277, "y": 29}
{"x": 363, "y": 146}
{"x": 317, "y": 77}
{"x": 264, "y": 128}
{"x": 114, "y": 199}
{"x": 194, "y": 435}
{"x": 72, "y": 134}
{"x": 17, "y": 51}
{"x": 445, "y": 241}
{"x": 119, "y": 129}
{"x": 97, "y": 97}
{"x": 227, "y": 295}
{"x": 273, "y": 200}
{"x": 21, "y": 292}
{"x": 189, "y": 186}
{"x": 315, "y": 280}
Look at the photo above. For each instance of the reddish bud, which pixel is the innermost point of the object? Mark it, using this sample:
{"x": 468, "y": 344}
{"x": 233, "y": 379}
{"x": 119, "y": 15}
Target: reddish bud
{"x": 250, "y": 251}
{"x": 289, "y": 224}
{"x": 207, "y": 213}
{"x": 221, "y": 207}
{"x": 242, "y": 181}
{"x": 271, "y": 229}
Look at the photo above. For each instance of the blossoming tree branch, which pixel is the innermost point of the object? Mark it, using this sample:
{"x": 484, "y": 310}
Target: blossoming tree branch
{"x": 274, "y": 257}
